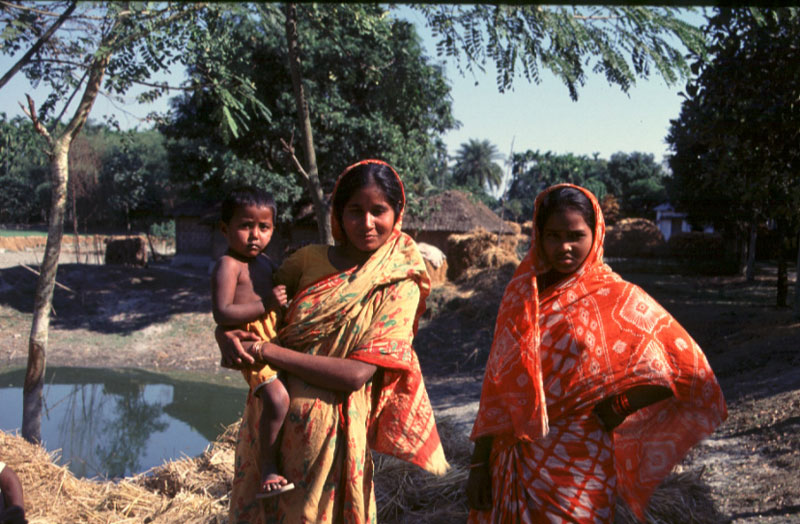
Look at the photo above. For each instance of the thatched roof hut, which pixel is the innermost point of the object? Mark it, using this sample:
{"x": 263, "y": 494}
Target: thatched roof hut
{"x": 452, "y": 212}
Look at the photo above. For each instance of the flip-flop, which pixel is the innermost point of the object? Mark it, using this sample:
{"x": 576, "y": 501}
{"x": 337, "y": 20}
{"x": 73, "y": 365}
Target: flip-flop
{"x": 272, "y": 493}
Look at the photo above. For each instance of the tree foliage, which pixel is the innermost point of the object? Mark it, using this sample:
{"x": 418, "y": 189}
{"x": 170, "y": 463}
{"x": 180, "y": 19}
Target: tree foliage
{"x": 734, "y": 144}
{"x": 533, "y": 171}
{"x": 634, "y": 179}
{"x": 476, "y": 164}
{"x": 619, "y": 42}
{"x": 23, "y": 168}
{"x": 370, "y": 88}
{"x": 735, "y": 159}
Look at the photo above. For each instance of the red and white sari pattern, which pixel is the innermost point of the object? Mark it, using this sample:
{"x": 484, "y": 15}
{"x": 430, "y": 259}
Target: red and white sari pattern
{"x": 559, "y": 352}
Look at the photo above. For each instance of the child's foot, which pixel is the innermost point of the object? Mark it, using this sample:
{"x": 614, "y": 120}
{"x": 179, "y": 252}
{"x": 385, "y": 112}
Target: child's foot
{"x": 272, "y": 485}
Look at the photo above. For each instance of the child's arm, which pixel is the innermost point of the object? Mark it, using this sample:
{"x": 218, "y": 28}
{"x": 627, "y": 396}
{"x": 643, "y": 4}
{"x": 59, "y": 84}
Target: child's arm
{"x": 223, "y": 283}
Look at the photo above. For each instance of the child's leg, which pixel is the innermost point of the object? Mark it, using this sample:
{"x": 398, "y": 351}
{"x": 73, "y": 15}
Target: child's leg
{"x": 275, "y": 405}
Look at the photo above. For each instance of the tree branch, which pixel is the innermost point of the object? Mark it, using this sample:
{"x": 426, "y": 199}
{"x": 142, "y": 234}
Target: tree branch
{"x": 290, "y": 151}
{"x": 71, "y": 97}
{"x": 30, "y": 111}
{"x": 42, "y": 12}
{"x": 39, "y": 43}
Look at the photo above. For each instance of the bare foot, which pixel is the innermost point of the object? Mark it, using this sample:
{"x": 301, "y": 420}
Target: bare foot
{"x": 273, "y": 484}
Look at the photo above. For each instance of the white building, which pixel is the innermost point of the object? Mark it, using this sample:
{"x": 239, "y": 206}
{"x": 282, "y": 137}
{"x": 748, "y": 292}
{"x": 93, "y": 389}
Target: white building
{"x": 670, "y": 221}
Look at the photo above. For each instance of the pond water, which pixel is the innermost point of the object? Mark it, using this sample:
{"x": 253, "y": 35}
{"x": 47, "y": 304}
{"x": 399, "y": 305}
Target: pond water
{"x": 115, "y": 423}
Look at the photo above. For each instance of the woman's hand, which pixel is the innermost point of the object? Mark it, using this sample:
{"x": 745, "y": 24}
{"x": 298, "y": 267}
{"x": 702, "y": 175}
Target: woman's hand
{"x": 479, "y": 487}
{"x": 234, "y": 355}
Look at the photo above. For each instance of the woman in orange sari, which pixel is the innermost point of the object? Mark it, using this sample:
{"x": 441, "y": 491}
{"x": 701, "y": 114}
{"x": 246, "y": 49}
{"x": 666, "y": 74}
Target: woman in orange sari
{"x": 352, "y": 376}
{"x": 592, "y": 390}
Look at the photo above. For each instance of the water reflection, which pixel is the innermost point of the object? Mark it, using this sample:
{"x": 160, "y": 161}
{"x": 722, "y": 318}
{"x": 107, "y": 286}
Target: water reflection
{"x": 117, "y": 423}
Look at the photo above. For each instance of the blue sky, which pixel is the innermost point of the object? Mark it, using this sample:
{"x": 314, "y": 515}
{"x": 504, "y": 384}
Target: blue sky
{"x": 541, "y": 116}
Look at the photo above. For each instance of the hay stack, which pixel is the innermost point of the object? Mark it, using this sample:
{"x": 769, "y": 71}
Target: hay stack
{"x": 435, "y": 263}
{"x": 633, "y": 238}
{"x": 404, "y": 493}
{"x": 53, "y": 495}
{"x": 479, "y": 249}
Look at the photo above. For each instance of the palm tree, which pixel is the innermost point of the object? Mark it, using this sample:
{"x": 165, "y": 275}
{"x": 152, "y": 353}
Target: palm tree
{"x": 475, "y": 163}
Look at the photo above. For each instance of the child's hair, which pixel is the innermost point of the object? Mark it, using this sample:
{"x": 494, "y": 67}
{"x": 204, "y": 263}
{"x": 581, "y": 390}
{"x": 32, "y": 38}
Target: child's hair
{"x": 565, "y": 198}
{"x": 247, "y": 196}
{"x": 365, "y": 175}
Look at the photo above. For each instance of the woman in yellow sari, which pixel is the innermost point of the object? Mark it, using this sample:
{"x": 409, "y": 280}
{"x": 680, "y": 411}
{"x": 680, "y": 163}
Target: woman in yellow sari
{"x": 352, "y": 375}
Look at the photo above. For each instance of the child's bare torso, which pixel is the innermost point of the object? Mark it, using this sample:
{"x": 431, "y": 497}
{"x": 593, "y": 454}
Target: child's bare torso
{"x": 254, "y": 279}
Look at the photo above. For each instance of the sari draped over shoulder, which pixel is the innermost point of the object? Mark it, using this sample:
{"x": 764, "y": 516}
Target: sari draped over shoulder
{"x": 368, "y": 314}
{"x": 555, "y": 355}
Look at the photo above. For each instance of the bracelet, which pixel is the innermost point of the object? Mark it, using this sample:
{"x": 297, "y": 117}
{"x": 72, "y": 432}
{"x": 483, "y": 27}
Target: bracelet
{"x": 256, "y": 348}
{"x": 621, "y": 406}
{"x": 477, "y": 465}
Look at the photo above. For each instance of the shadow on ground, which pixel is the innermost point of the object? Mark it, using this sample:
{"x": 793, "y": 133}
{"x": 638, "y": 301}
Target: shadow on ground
{"x": 110, "y": 299}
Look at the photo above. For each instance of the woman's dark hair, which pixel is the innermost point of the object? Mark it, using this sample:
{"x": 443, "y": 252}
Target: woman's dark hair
{"x": 247, "y": 196}
{"x": 565, "y": 198}
{"x": 365, "y": 175}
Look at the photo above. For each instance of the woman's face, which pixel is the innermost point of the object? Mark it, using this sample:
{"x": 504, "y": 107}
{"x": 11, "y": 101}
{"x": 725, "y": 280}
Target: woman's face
{"x": 367, "y": 219}
{"x": 566, "y": 240}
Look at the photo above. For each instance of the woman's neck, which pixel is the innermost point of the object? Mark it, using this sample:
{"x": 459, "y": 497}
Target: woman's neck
{"x": 545, "y": 280}
{"x": 343, "y": 258}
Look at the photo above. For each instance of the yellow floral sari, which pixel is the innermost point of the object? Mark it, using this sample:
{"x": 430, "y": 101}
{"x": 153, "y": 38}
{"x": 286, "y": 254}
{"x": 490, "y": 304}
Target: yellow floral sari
{"x": 368, "y": 314}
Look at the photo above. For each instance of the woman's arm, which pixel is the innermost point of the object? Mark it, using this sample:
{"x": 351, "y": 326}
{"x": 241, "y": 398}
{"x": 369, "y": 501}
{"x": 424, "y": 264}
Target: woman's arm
{"x": 337, "y": 374}
{"x": 613, "y": 410}
{"x": 479, "y": 482}
{"x": 334, "y": 373}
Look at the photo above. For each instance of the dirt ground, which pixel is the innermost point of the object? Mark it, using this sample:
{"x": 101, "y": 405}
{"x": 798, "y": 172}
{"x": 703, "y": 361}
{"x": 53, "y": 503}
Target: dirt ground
{"x": 159, "y": 318}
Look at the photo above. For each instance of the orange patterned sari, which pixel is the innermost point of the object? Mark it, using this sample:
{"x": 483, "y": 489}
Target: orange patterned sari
{"x": 555, "y": 355}
{"x": 368, "y": 314}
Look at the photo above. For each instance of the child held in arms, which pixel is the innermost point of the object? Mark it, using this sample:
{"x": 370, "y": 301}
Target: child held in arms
{"x": 243, "y": 296}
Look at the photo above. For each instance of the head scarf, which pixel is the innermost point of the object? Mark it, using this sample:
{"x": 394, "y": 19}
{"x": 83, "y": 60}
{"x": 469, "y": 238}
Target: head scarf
{"x": 592, "y": 335}
{"x": 336, "y": 228}
{"x": 507, "y": 404}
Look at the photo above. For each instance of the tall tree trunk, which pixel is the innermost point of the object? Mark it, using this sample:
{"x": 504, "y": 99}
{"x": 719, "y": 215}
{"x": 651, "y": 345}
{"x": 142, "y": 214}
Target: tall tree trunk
{"x": 797, "y": 281}
{"x": 76, "y": 238}
{"x": 321, "y": 206}
{"x": 750, "y": 271}
{"x": 783, "y": 270}
{"x": 43, "y": 300}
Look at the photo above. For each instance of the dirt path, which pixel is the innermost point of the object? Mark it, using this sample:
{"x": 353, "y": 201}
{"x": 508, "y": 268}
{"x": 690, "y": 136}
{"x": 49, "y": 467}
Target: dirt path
{"x": 159, "y": 318}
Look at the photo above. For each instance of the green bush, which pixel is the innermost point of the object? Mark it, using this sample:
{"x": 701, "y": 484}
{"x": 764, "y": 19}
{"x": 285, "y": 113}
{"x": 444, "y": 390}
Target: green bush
{"x": 163, "y": 229}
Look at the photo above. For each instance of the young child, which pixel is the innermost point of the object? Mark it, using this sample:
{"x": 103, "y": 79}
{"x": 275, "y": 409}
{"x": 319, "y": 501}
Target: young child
{"x": 243, "y": 297}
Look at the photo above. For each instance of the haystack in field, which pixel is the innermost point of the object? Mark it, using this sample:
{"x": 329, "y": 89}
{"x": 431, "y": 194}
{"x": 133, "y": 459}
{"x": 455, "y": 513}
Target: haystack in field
{"x": 633, "y": 238}
{"x": 479, "y": 249}
{"x": 435, "y": 263}
{"x": 53, "y": 495}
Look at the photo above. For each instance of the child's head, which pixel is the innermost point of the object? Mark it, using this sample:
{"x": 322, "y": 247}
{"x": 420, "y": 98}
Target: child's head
{"x": 367, "y": 204}
{"x": 565, "y": 223}
{"x": 247, "y": 196}
{"x": 248, "y": 220}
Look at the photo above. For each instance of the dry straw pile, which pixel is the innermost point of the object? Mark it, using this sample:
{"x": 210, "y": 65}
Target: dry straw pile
{"x": 195, "y": 490}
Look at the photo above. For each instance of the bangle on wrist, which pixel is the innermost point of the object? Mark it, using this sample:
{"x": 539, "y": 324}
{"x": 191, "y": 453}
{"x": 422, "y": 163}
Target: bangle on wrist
{"x": 256, "y": 348}
{"x": 621, "y": 406}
